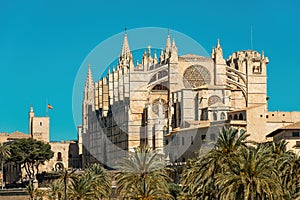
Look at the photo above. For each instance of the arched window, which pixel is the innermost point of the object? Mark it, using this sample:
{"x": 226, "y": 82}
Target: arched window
{"x": 159, "y": 87}
{"x": 230, "y": 117}
{"x": 215, "y": 116}
{"x": 223, "y": 116}
{"x": 214, "y": 99}
{"x": 235, "y": 117}
{"x": 59, "y": 156}
{"x": 241, "y": 116}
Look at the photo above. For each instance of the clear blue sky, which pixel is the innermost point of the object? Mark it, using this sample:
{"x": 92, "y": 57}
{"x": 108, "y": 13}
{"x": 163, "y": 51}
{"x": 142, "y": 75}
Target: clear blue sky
{"x": 43, "y": 43}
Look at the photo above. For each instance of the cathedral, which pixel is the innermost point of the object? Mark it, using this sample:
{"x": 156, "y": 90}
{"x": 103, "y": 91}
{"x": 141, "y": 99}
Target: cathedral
{"x": 176, "y": 103}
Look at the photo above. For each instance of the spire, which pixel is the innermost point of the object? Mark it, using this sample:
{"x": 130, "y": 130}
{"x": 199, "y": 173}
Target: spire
{"x": 149, "y": 51}
{"x": 218, "y": 49}
{"x": 173, "y": 45}
{"x": 213, "y": 52}
{"x": 218, "y": 43}
{"x": 168, "y": 43}
{"x": 155, "y": 60}
{"x": 31, "y": 108}
{"x": 161, "y": 57}
{"x": 218, "y": 53}
{"x": 125, "y": 46}
{"x": 125, "y": 53}
{"x": 89, "y": 78}
{"x": 173, "y": 53}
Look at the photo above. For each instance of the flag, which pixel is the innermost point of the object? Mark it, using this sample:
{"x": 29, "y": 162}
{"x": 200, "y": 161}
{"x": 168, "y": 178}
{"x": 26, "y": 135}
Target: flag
{"x": 49, "y": 106}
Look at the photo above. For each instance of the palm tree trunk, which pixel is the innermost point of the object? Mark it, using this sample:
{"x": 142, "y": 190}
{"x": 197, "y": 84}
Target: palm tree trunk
{"x": 2, "y": 174}
{"x": 65, "y": 183}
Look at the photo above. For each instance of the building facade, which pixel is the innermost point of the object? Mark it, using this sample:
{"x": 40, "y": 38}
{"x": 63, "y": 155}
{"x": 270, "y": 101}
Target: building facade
{"x": 66, "y": 153}
{"x": 175, "y": 103}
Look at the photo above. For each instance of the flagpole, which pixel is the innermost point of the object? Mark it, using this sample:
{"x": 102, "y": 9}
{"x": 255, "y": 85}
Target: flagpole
{"x": 46, "y": 106}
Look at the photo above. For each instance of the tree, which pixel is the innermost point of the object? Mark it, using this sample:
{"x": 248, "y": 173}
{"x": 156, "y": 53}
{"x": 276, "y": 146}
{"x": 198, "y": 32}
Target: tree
{"x": 4, "y": 154}
{"x": 100, "y": 181}
{"x": 199, "y": 177}
{"x": 30, "y": 154}
{"x": 250, "y": 174}
{"x": 55, "y": 190}
{"x": 94, "y": 183}
{"x": 66, "y": 177}
{"x": 80, "y": 187}
{"x": 289, "y": 171}
{"x": 142, "y": 175}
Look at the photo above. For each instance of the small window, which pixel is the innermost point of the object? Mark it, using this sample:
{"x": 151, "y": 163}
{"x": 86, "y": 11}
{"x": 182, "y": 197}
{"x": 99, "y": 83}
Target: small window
{"x": 223, "y": 116}
{"x": 261, "y": 115}
{"x": 182, "y": 141}
{"x": 192, "y": 139}
{"x": 272, "y": 115}
{"x": 59, "y": 156}
{"x": 241, "y": 116}
{"x": 295, "y": 134}
{"x": 167, "y": 142}
{"x": 297, "y": 144}
{"x": 41, "y": 123}
{"x": 235, "y": 117}
{"x": 203, "y": 137}
{"x": 283, "y": 114}
{"x": 215, "y": 116}
{"x": 267, "y": 116}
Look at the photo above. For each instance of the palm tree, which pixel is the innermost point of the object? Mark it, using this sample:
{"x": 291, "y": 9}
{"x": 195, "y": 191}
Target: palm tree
{"x": 143, "y": 176}
{"x": 94, "y": 183}
{"x": 199, "y": 177}
{"x": 66, "y": 177}
{"x": 80, "y": 187}
{"x": 289, "y": 170}
{"x": 251, "y": 174}
{"x": 100, "y": 181}
{"x": 55, "y": 190}
{"x": 4, "y": 154}
{"x": 229, "y": 141}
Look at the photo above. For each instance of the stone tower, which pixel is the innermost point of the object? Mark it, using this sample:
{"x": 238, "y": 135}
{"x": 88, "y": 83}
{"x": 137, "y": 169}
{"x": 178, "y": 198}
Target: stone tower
{"x": 88, "y": 100}
{"x": 38, "y": 127}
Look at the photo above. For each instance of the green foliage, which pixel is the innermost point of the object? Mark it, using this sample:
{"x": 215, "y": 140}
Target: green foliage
{"x": 100, "y": 182}
{"x": 30, "y": 154}
{"x": 174, "y": 190}
{"x": 93, "y": 183}
{"x": 55, "y": 190}
{"x": 235, "y": 170}
{"x": 4, "y": 155}
{"x": 143, "y": 176}
{"x": 66, "y": 177}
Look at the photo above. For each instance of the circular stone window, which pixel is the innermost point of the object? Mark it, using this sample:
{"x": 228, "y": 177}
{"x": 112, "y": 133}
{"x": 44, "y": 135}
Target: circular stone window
{"x": 195, "y": 76}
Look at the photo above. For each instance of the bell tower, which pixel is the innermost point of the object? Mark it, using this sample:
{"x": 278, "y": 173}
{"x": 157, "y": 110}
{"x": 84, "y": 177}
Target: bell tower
{"x": 38, "y": 127}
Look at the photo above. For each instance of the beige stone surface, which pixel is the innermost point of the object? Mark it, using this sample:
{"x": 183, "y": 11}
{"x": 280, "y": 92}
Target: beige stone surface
{"x": 202, "y": 95}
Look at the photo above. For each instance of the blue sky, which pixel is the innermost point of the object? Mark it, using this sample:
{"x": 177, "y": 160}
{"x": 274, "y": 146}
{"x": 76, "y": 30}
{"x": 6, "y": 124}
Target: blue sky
{"x": 43, "y": 44}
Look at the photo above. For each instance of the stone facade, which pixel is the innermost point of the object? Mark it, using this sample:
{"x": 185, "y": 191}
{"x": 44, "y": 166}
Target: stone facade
{"x": 66, "y": 153}
{"x": 289, "y": 133}
{"x": 175, "y": 103}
